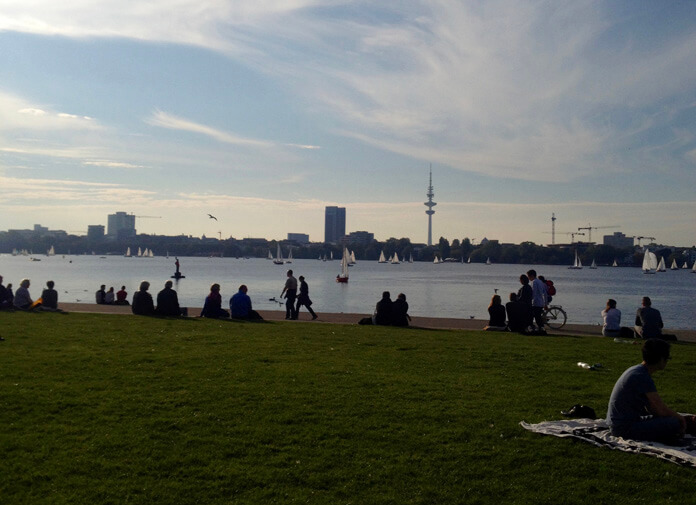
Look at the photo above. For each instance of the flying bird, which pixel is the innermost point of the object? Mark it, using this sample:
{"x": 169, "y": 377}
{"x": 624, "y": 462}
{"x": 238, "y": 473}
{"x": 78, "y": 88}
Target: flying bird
{"x": 212, "y": 217}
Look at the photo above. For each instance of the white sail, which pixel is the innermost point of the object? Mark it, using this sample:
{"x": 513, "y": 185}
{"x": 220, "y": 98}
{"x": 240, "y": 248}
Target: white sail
{"x": 469, "y": 259}
{"x": 51, "y": 252}
{"x": 352, "y": 257}
{"x": 577, "y": 264}
{"x": 661, "y": 267}
{"x": 150, "y": 254}
{"x": 279, "y": 256}
{"x": 488, "y": 261}
{"x": 270, "y": 256}
{"x": 593, "y": 266}
{"x": 140, "y": 252}
{"x": 382, "y": 258}
{"x": 331, "y": 257}
{"x": 685, "y": 265}
{"x": 674, "y": 265}
{"x": 410, "y": 258}
{"x": 436, "y": 260}
{"x": 649, "y": 263}
{"x": 693, "y": 270}
{"x": 289, "y": 260}
{"x": 343, "y": 276}
{"x": 614, "y": 264}
{"x": 395, "y": 259}
{"x": 128, "y": 253}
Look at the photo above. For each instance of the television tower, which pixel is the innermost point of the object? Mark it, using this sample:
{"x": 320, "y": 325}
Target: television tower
{"x": 430, "y": 204}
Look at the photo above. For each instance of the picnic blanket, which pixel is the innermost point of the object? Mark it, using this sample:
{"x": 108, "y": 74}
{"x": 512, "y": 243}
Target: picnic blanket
{"x": 596, "y": 431}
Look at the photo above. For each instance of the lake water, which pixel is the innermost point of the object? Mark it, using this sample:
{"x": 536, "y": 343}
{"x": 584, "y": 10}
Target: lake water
{"x": 446, "y": 290}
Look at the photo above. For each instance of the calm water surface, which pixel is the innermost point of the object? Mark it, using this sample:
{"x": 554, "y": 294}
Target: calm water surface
{"x": 445, "y": 290}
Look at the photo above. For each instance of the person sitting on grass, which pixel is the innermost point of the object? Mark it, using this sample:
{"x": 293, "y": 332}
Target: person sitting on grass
{"x": 212, "y": 307}
{"x": 49, "y": 297}
{"x": 517, "y": 314}
{"x": 496, "y": 315}
{"x": 22, "y": 298}
{"x": 4, "y": 297}
{"x": 240, "y": 306}
{"x": 400, "y": 315}
{"x": 635, "y": 396}
{"x": 168, "y": 301}
{"x": 142, "y": 301}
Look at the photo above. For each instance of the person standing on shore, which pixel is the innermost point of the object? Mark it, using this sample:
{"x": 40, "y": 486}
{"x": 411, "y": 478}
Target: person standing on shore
{"x": 303, "y": 299}
{"x": 539, "y": 303}
{"x": 290, "y": 292}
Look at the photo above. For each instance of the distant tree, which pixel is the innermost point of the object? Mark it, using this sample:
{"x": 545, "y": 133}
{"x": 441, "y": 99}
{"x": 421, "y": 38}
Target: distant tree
{"x": 444, "y": 248}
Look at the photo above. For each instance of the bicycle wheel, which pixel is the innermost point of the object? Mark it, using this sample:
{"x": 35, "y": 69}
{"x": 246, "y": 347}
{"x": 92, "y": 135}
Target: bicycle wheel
{"x": 555, "y": 318}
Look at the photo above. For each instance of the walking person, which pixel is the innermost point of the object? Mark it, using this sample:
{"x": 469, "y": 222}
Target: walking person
{"x": 539, "y": 303}
{"x": 303, "y": 299}
{"x": 290, "y": 292}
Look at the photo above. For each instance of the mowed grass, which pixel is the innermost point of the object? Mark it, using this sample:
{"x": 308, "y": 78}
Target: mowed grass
{"x": 122, "y": 409}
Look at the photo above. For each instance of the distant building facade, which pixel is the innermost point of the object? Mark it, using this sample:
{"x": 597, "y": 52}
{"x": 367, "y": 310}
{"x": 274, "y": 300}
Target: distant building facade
{"x": 121, "y": 225}
{"x": 334, "y": 224}
{"x": 618, "y": 240}
{"x": 95, "y": 231}
{"x": 360, "y": 237}
{"x": 300, "y": 238}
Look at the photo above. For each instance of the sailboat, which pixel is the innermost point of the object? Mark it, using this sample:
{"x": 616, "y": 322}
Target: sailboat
{"x": 382, "y": 258}
{"x": 51, "y": 252}
{"x": 352, "y": 258}
{"x": 685, "y": 265}
{"x": 279, "y": 256}
{"x": 593, "y": 266}
{"x": 577, "y": 264}
{"x": 128, "y": 253}
{"x": 469, "y": 259}
{"x": 693, "y": 270}
{"x": 661, "y": 265}
{"x": 330, "y": 255}
{"x": 270, "y": 256}
{"x": 614, "y": 264}
{"x": 410, "y": 258}
{"x": 150, "y": 254}
{"x": 289, "y": 260}
{"x": 140, "y": 253}
{"x": 649, "y": 263}
{"x": 395, "y": 259}
{"x": 343, "y": 276}
{"x": 674, "y": 265}
{"x": 436, "y": 260}
{"x": 488, "y": 261}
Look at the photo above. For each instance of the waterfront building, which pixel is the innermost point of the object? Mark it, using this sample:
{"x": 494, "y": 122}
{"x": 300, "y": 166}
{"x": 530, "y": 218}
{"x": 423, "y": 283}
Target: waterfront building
{"x": 121, "y": 225}
{"x": 360, "y": 237}
{"x": 95, "y": 231}
{"x": 618, "y": 240}
{"x": 334, "y": 224}
{"x": 299, "y": 238}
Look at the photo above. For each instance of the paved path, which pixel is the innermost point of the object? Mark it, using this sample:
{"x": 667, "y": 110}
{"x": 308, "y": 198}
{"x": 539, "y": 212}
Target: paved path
{"x": 439, "y": 323}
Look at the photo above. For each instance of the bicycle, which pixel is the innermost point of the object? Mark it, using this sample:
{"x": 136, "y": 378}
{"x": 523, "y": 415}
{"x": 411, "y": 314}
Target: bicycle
{"x": 555, "y": 317}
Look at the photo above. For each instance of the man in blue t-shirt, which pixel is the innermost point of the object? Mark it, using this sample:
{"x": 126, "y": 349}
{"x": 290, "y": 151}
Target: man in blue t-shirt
{"x": 635, "y": 396}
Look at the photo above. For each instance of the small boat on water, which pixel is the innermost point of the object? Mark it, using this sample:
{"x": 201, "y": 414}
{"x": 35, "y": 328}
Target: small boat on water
{"x": 661, "y": 265}
{"x": 410, "y": 258}
{"x": 436, "y": 260}
{"x": 343, "y": 276}
{"x": 649, "y": 263}
{"x": 289, "y": 260}
{"x": 128, "y": 253}
{"x": 395, "y": 259}
{"x": 278, "y": 260}
{"x": 685, "y": 265}
{"x": 614, "y": 264}
{"x": 674, "y": 265}
{"x": 382, "y": 258}
{"x": 488, "y": 261}
{"x": 593, "y": 266}
{"x": 270, "y": 256}
{"x": 577, "y": 264}
{"x": 51, "y": 252}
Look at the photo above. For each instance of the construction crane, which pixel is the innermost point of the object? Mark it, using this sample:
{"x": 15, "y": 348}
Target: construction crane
{"x": 647, "y": 238}
{"x": 150, "y": 217}
{"x": 553, "y": 228}
{"x": 571, "y": 233}
{"x": 589, "y": 229}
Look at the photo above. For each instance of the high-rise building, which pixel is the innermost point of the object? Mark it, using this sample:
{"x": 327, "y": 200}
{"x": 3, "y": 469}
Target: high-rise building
{"x": 618, "y": 240}
{"x": 334, "y": 224}
{"x": 300, "y": 238}
{"x": 430, "y": 204}
{"x": 121, "y": 225}
{"x": 95, "y": 231}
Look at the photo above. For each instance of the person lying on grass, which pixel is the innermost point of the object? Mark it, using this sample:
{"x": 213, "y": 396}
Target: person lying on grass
{"x": 635, "y": 396}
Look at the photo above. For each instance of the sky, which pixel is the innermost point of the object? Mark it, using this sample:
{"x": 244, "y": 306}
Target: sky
{"x": 263, "y": 112}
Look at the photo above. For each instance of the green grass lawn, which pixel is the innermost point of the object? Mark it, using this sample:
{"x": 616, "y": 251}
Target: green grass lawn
{"x": 119, "y": 409}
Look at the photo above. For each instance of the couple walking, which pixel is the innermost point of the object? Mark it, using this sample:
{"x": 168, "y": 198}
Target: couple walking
{"x": 290, "y": 293}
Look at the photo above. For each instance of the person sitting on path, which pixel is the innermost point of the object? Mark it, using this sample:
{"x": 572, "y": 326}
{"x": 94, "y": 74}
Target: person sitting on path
{"x": 612, "y": 319}
{"x": 648, "y": 320}
{"x": 213, "y": 304}
{"x": 168, "y": 301}
{"x": 383, "y": 310}
{"x": 400, "y": 315}
{"x": 290, "y": 292}
{"x": 635, "y": 396}
{"x": 142, "y": 301}
{"x": 22, "y": 298}
{"x": 109, "y": 296}
{"x": 240, "y": 306}
{"x": 303, "y": 299}
{"x": 496, "y": 315}
{"x": 121, "y": 296}
{"x": 100, "y": 295}
{"x": 49, "y": 297}
{"x": 517, "y": 314}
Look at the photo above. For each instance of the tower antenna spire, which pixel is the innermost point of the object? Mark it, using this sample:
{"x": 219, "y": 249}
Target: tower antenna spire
{"x": 430, "y": 204}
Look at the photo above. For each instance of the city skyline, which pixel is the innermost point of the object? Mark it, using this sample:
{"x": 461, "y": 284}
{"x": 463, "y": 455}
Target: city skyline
{"x": 265, "y": 113}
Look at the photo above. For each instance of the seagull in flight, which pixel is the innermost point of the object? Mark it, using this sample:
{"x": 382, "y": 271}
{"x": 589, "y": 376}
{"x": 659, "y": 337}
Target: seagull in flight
{"x": 212, "y": 217}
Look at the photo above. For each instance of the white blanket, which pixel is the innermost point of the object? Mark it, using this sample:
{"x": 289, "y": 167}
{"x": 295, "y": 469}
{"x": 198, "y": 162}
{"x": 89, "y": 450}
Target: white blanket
{"x": 596, "y": 431}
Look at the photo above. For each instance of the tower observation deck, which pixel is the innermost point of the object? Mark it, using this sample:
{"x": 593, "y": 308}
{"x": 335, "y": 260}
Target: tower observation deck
{"x": 430, "y": 204}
